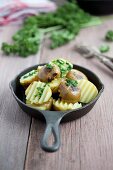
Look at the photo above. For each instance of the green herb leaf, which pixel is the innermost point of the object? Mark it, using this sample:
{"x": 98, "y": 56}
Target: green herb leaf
{"x": 109, "y": 35}
{"x": 70, "y": 82}
{"x": 40, "y": 91}
{"x": 31, "y": 73}
{"x": 49, "y": 66}
{"x": 104, "y": 48}
{"x": 63, "y": 25}
{"x": 59, "y": 38}
{"x": 63, "y": 65}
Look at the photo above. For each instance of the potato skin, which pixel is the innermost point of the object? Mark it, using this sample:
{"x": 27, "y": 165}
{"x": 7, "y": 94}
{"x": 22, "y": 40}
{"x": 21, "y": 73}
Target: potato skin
{"x": 76, "y": 75}
{"x": 69, "y": 94}
{"x": 47, "y": 75}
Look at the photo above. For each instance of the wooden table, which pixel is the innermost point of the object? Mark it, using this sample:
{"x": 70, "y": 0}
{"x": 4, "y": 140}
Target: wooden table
{"x": 86, "y": 144}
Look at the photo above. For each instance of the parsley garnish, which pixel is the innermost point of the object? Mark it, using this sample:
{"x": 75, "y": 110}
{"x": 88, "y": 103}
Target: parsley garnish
{"x": 40, "y": 91}
{"x": 29, "y": 74}
{"x": 109, "y": 35}
{"x": 70, "y": 82}
{"x": 104, "y": 48}
{"x": 49, "y": 66}
{"x": 64, "y": 66}
{"x": 60, "y": 61}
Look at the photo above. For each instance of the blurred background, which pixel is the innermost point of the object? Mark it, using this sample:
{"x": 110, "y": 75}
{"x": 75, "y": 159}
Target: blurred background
{"x": 44, "y": 17}
{"x": 10, "y": 10}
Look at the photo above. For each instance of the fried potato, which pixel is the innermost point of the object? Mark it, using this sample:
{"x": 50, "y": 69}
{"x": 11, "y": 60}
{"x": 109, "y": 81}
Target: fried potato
{"x": 28, "y": 78}
{"x": 64, "y": 65}
{"x": 44, "y": 106}
{"x": 54, "y": 84}
{"x": 88, "y": 90}
{"x": 57, "y": 86}
{"x": 60, "y": 105}
{"x": 38, "y": 93}
{"x": 69, "y": 94}
{"x": 49, "y": 72}
{"x": 39, "y": 68}
{"x": 76, "y": 75}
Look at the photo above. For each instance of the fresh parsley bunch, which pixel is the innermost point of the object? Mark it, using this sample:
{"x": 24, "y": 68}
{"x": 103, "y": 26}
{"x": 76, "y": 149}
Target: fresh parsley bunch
{"x": 63, "y": 25}
{"x": 25, "y": 42}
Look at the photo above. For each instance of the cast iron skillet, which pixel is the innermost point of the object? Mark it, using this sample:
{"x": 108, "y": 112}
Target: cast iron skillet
{"x": 97, "y": 7}
{"x": 53, "y": 118}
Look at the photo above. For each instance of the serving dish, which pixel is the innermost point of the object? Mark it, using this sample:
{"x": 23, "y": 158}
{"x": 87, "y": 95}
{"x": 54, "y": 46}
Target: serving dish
{"x": 53, "y": 118}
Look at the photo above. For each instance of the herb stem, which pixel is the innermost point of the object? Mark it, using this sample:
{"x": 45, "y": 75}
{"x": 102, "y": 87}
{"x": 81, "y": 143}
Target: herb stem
{"x": 50, "y": 29}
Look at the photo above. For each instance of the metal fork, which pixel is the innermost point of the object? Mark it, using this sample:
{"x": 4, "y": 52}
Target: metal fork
{"x": 90, "y": 52}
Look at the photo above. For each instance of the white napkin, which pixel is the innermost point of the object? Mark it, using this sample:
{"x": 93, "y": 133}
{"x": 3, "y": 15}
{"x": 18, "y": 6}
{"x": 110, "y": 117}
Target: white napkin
{"x": 16, "y": 10}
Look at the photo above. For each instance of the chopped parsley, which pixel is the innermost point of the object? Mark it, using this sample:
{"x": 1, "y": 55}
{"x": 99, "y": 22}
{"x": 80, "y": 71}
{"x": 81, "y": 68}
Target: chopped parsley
{"x": 40, "y": 91}
{"x": 109, "y": 35}
{"x": 70, "y": 82}
{"x": 49, "y": 66}
{"x": 69, "y": 66}
{"x": 60, "y": 61}
{"x": 31, "y": 73}
{"x": 64, "y": 66}
{"x": 104, "y": 48}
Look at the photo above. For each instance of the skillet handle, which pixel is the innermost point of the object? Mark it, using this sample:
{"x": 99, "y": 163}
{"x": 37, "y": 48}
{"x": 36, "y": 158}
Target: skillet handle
{"x": 51, "y": 129}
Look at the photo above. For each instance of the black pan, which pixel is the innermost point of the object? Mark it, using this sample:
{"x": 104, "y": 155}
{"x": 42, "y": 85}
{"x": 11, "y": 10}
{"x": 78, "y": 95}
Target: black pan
{"x": 53, "y": 118}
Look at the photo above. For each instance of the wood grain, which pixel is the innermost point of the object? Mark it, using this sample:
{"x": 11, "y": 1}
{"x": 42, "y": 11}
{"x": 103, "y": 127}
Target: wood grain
{"x": 14, "y": 123}
{"x": 87, "y": 143}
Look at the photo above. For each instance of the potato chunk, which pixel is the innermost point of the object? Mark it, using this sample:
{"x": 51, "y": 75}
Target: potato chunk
{"x": 76, "y": 75}
{"x": 60, "y": 105}
{"x": 48, "y": 73}
{"x": 69, "y": 94}
{"x": 44, "y": 106}
{"x": 88, "y": 91}
{"x": 54, "y": 84}
{"x": 28, "y": 78}
{"x": 38, "y": 93}
{"x": 64, "y": 65}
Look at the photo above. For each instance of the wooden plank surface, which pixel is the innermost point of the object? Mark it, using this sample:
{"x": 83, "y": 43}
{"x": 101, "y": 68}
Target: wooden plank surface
{"x": 87, "y": 143}
{"x": 14, "y": 123}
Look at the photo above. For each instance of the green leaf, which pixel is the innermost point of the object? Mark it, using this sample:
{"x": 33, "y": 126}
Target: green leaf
{"x": 49, "y": 66}
{"x": 104, "y": 48}
{"x": 63, "y": 25}
{"x": 92, "y": 22}
{"x": 109, "y": 35}
{"x": 64, "y": 66}
{"x": 70, "y": 82}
